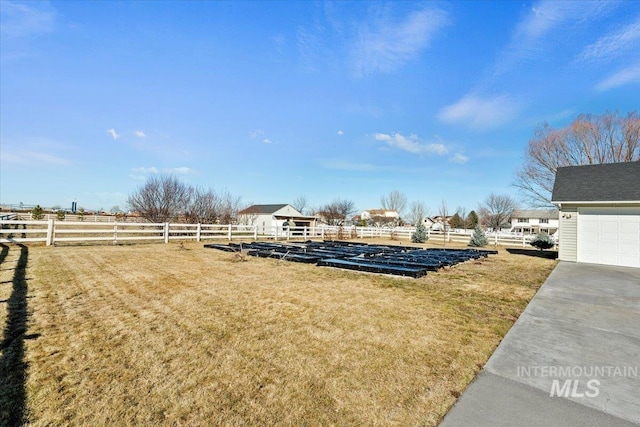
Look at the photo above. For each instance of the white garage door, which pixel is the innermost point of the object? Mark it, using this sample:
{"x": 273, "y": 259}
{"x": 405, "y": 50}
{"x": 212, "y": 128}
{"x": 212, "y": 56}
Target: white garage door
{"x": 609, "y": 236}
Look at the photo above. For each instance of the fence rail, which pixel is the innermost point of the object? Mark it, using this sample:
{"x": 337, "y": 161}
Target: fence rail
{"x": 51, "y": 232}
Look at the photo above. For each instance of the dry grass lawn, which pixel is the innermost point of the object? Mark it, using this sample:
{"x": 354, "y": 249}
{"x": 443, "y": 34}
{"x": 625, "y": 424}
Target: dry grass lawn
{"x": 168, "y": 335}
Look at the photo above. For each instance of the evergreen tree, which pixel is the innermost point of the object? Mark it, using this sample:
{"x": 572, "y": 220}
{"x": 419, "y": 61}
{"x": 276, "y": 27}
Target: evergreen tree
{"x": 81, "y": 214}
{"x": 60, "y": 215}
{"x": 542, "y": 241}
{"x": 420, "y": 235}
{"x": 472, "y": 220}
{"x": 478, "y": 239}
{"x": 37, "y": 213}
{"x": 456, "y": 221}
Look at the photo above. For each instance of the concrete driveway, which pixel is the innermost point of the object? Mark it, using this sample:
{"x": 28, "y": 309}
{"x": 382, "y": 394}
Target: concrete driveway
{"x": 571, "y": 359}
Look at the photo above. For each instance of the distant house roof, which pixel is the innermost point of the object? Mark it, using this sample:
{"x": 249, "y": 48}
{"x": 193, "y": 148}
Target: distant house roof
{"x": 381, "y": 212}
{"x": 521, "y": 213}
{"x": 261, "y": 209}
{"x": 612, "y": 182}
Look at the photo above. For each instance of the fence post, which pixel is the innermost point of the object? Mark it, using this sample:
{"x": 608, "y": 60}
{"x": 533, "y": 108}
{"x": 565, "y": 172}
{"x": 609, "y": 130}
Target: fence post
{"x": 50, "y": 232}
{"x": 304, "y": 233}
{"x": 255, "y": 232}
{"x": 115, "y": 233}
{"x": 448, "y": 235}
{"x": 495, "y": 241}
{"x": 166, "y": 232}
{"x": 198, "y": 231}
{"x": 523, "y": 240}
{"x": 229, "y": 234}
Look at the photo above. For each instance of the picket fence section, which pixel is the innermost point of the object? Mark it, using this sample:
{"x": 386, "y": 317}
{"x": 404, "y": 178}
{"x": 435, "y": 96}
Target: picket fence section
{"x": 51, "y": 232}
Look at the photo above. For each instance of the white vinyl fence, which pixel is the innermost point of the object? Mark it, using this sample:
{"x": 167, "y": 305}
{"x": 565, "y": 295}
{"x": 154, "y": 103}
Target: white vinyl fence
{"x": 51, "y": 232}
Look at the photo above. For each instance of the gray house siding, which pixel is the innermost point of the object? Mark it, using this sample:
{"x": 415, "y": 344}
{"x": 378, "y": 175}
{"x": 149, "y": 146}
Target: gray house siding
{"x": 568, "y": 246}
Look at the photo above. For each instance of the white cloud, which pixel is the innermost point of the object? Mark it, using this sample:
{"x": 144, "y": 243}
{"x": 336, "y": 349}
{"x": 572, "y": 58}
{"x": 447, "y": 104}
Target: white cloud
{"x": 183, "y": 170}
{"x": 479, "y": 113}
{"x": 142, "y": 172}
{"x": 340, "y": 132}
{"x": 113, "y": 133}
{"x": 140, "y": 134}
{"x": 614, "y": 44}
{"x": 266, "y": 141}
{"x": 151, "y": 170}
{"x": 621, "y": 78}
{"x": 546, "y": 17}
{"x": 412, "y": 144}
{"x": 256, "y": 133}
{"x": 459, "y": 158}
{"x": 25, "y": 20}
{"x": 32, "y": 158}
{"x": 385, "y": 46}
{"x": 33, "y": 152}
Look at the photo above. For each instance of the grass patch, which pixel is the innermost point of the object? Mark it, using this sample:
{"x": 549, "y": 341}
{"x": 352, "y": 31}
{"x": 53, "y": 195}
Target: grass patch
{"x": 182, "y": 335}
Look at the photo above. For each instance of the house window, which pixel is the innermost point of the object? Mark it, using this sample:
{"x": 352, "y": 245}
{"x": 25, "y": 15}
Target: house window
{"x": 523, "y": 219}
{"x": 544, "y": 220}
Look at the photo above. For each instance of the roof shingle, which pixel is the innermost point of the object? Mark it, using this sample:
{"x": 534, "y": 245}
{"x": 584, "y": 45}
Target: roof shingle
{"x": 612, "y": 182}
{"x": 261, "y": 209}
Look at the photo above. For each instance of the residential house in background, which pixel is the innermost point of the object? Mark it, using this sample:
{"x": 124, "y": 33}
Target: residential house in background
{"x": 437, "y": 223}
{"x": 534, "y": 221}
{"x": 599, "y": 213}
{"x": 267, "y": 217}
{"x": 380, "y": 217}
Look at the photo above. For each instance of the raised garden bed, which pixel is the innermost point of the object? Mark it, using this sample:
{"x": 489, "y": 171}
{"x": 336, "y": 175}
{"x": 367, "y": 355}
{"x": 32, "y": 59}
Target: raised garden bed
{"x": 386, "y": 259}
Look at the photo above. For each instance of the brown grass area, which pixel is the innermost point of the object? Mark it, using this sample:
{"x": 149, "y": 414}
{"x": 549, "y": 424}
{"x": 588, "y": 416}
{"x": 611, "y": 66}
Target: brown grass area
{"x": 169, "y": 335}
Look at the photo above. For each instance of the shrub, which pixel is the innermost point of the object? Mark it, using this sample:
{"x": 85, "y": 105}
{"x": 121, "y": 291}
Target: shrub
{"x": 60, "y": 215}
{"x": 478, "y": 239}
{"x": 37, "y": 213}
{"x": 542, "y": 241}
{"x": 420, "y": 235}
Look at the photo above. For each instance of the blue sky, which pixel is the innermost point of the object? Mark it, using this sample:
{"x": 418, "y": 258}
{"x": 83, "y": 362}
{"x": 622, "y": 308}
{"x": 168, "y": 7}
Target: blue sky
{"x": 274, "y": 100}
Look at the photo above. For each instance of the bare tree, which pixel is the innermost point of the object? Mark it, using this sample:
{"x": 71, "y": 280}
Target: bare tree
{"x": 229, "y": 207}
{"x": 338, "y": 211}
{"x": 204, "y": 207}
{"x": 462, "y": 213}
{"x": 496, "y": 210}
{"x": 417, "y": 212}
{"x": 443, "y": 212}
{"x": 162, "y": 198}
{"x": 394, "y": 201}
{"x": 588, "y": 140}
{"x": 300, "y": 203}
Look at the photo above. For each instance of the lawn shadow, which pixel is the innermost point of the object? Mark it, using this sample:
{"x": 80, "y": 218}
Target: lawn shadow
{"x": 534, "y": 252}
{"x": 13, "y": 368}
